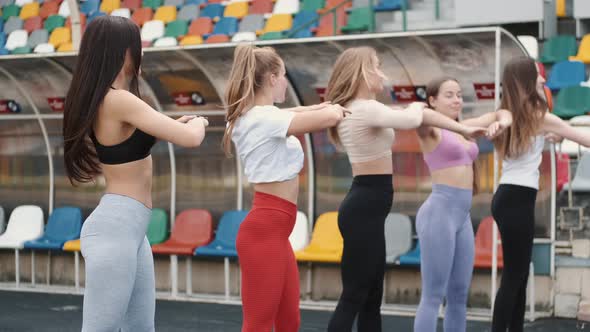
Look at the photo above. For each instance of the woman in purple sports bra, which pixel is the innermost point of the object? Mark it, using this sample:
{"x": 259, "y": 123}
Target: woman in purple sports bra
{"x": 443, "y": 222}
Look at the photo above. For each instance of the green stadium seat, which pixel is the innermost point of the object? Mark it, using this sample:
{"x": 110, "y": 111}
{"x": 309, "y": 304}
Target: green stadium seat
{"x": 572, "y": 101}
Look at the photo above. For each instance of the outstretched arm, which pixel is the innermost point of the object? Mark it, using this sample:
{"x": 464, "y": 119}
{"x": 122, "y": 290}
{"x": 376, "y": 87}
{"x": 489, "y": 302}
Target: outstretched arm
{"x": 554, "y": 124}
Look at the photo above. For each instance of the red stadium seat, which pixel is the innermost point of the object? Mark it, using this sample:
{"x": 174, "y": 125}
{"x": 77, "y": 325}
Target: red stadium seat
{"x": 193, "y": 228}
{"x": 484, "y": 245}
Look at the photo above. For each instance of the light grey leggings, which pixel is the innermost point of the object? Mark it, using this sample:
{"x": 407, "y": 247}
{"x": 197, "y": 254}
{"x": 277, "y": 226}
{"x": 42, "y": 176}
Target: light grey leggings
{"x": 120, "y": 288}
{"x": 447, "y": 250}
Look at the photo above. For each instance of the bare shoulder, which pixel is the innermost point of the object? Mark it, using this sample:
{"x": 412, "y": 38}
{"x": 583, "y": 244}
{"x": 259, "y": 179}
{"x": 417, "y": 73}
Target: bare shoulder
{"x": 117, "y": 101}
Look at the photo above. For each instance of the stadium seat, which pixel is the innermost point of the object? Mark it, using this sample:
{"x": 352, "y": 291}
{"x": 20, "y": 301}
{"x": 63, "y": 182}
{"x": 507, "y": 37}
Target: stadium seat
{"x": 38, "y": 37}
{"x": 188, "y": 13}
{"x": 53, "y": 22}
{"x": 25, "y": 223}
{"x": 226, "y": 26}
{"x": 411, "y": 258}
{"x": 60, "y": 36}
{"x": 326, "y": 26}
{"x": 279, "y": 23}
{"x": 236, "y": 9}
{"x": 165, "y": 14}
{"x": 191, "y": 40}
{"x": 531, "y": 45}
{"x": 273, "y": 35}
{"x": 64, "y": 224}
{"x": 64, "y": 9}
{"x": 213, "y": 11}
{"x": 107, "y": 6}
{"x": 30, "y": 10}
{"x": 44, "y": 48}
{"x": 246, "y": 36}
{"x": 313, "y": 5}
{"x": 572, "y": 101}
{"x": 560, "y": 8}
{"x": 360, "y": 3}
{"x": 153, "y": 4}
{"x": 122, "y": 12}
{"x": 359, "y": 20}
{"x": 49, "y": 8}
{"x": 157, "y": 231}
{"x": 152, "y": 30}
{"x": 398, "y": 236}
{"x": 484, "y": 245}
{"x": 90, "y": 6}
{"x": 142, "y": 15}
{"x": 559, "y": 48}
{"x": 326, "y": 242}
{"x": 261, "y": 7}
{"x": 16, "y": 39}
{"x": 165, "y": 42}
{"x": 583, "y": 51}
{"x": 95, "y": 15}
{"x": 9, "y": 11}
{"x": 21, "y": 50}
{"x": 286, "y": 7}
{"x": 201, "y": 27}
{"x": 218, "y": 38}
{"x": 252, "y": 23}
{"x": 21, "y": 3}
{"x": 33, "y": 23}
{"x": 132, "y": 4}
{"x": 300, "y": 234}
{"x": 5, "y": 3}
{"x": 224, "y": 244}
{"x": 195, "y": 2}
{"x": 565, "y": 74}
{"x": 302, "y": 25}
{"x": 176, "y": 29}
{"x": 12, "y": 24}
{"x": 192, "y": 228}
{"x": 388, "y": 5}
{"x": 175, "y": 3}
{"x": 581, "y": 180}
{"x": 66, "y": 47}
{"x": 74, "y": 246}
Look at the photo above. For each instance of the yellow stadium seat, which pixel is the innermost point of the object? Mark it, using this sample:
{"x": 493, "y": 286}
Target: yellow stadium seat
{"x": 165, "y": 14}
{"x": 107, "y": 6}
{"x": 30, "y": 10}
{"x": 66, "y": 47}
{"x": 73, "y": 245}
{"x": 560, "y": 8}
{"x": 583, "y": 50}
{"x": 326, "y": 242}
{"x": 60, "y": 36}
{"x": 279, "y": 22}
{"x": 236, "y": 9}
{"x": 191, "y": 40}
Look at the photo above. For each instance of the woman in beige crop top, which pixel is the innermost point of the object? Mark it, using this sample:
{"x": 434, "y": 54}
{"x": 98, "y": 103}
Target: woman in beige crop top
{"x": 367, "y": 135}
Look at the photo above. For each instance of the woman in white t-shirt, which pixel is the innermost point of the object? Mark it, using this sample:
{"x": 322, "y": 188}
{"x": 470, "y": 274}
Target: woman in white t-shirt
{"x": 272, "y": 157}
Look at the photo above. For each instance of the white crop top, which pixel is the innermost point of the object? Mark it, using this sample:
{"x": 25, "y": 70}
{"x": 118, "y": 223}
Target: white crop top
{"x": 524, "y": 170}
{"x": 367, "y": 133}
{"x": 268, "y": 155}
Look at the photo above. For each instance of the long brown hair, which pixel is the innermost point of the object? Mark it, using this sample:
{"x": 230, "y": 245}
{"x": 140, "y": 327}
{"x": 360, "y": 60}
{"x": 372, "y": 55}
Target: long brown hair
{"x": 528, "y": 108}
{"x": 432, "y": 90}
{"x": 105, "y": 45}
{"x": 350, "y": 71}
{"x": 250, "y": 68}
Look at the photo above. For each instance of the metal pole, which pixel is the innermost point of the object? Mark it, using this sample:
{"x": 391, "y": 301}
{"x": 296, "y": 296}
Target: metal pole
{"x": 494, "y": 227}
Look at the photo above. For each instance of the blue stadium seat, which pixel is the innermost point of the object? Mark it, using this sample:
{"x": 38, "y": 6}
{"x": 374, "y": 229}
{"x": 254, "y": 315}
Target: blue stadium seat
{"x": 213, "y": 10}
{"x": 411, "y": 258}
{"x": 194, "y": 2}
{"x": 224, "y": 244}
{"x": 302, "y": 19}
{"x": 226, "y": 26}
{"x": 64, "y": 224}
{"x": 565, "y": 74}
{"x": 90, "y": 6}
{"x": 94, "y": 15}
{"x": 388, "y": 5}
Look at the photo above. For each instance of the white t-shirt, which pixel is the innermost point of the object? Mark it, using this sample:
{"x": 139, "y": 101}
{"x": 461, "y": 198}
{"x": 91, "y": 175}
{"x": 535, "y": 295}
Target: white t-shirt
{"x": 524, "y": 170}
{"x": 268, "y": 155}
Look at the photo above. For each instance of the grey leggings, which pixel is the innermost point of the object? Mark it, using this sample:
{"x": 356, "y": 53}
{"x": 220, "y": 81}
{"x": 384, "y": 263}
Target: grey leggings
{"x": 447, "y": 249}
{"x": 120, "y": 288}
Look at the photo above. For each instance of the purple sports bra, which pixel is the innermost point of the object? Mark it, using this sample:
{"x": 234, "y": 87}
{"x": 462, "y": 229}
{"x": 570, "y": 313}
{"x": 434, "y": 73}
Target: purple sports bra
{"x": 450, "y": 152}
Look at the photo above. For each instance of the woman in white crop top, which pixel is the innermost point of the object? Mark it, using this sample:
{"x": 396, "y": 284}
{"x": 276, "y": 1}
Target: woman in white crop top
{"x": 513, "y": 205}
{"x": 367, "y": 136}
{"x": 272, "y": 157}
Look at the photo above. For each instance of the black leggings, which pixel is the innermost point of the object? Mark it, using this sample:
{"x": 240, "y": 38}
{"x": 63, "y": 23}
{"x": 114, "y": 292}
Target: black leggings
{"x": 513, "y": 208}
{"x": 361, "y": 219}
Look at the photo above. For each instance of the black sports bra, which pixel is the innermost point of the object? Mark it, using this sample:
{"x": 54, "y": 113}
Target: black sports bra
{"x": 136, "y": 147}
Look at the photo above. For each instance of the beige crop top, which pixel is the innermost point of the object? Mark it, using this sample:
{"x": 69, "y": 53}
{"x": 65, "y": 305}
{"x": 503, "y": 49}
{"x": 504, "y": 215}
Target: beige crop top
{"x": 367, "y": 133}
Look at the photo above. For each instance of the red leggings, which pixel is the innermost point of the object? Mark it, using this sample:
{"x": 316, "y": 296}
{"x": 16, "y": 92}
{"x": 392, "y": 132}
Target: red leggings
{"x": 270, "y": 279}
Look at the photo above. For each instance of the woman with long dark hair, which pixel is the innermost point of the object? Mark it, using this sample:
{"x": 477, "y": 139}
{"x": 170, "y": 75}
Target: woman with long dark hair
{"x": 109, "y": 130}
{"x": 443, "y": 222}
{"x": 513, "y": 204}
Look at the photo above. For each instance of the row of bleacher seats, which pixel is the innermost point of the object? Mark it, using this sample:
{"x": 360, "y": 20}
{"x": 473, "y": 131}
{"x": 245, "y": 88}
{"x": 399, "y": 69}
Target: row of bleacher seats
{"x": 29, "y": 26}
{"x": 193, "y": 235}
